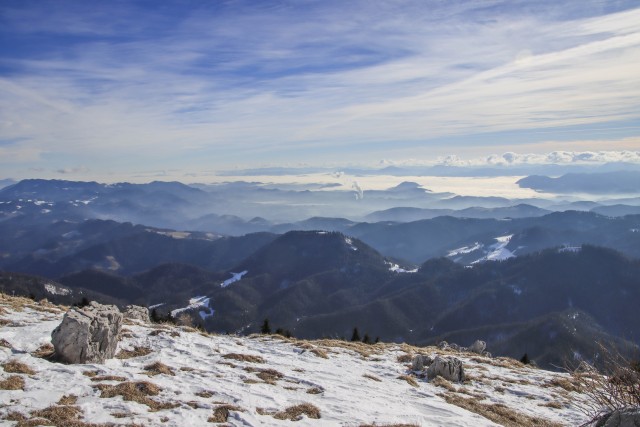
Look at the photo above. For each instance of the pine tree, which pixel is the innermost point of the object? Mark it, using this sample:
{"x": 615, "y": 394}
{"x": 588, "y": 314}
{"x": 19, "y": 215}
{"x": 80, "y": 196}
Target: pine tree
{"x": 525, "y": 359}
{"x": 366, "y": 339}
{"x": 356, "y": 335}
{"x": 377, "y": 340}
{"x": 266, "y": 329}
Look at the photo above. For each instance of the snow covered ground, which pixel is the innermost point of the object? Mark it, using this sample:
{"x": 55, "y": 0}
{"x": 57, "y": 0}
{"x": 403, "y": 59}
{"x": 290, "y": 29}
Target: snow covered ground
{"x": 234, "y": 278}
{"x": 351, "y": 384}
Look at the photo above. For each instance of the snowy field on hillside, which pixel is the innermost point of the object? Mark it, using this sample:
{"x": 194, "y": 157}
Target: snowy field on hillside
{"x": 251, "y": 381}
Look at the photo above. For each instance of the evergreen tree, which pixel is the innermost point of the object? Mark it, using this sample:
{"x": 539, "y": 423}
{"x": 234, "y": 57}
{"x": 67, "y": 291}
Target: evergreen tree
{"x": 266, "y": 329}
{"x": 356, "y": 335}
{"x": 377, "y": 340}
{"x": 366, "y": 339}
{"x": 525, "y": 359}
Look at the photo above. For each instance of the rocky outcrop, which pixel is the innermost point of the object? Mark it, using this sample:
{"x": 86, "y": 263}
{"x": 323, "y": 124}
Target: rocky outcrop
{"x": 137, "y": 312}
{"x": 449, "y": 368}
{"x": 420, "y": 361}
{"x": 478, "y": 347}
{"x": 628, "y": 417}
{"x": 88, "y": 334}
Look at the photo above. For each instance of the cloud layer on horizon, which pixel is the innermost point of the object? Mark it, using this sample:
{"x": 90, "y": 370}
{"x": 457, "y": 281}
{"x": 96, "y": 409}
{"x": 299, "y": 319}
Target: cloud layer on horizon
{"x": 114, "y": 86}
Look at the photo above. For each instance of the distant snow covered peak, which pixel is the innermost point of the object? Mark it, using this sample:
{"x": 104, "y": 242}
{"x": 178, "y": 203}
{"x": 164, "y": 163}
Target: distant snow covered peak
{"x": 235, "y": 277}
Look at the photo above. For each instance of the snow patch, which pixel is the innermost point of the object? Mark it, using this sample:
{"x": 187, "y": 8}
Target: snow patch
{"x": 195, "y": 303}
{"x": 568, "y": 248}
{"x": 55, "y": 290}
{"x": 499, "y": 251}
{"x": 397, "y": 269}
{"x": 234, "y": 278}
{"x": 349, "y": 242}
{"x": 465, "y": 249}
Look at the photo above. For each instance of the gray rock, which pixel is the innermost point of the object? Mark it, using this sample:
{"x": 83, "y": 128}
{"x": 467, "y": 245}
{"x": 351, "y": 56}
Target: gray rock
{"x": 420, "y": 361}
{"x": 88, "y": 334}
{"x": 137, "y": 312}
{"x": 477, "y": 347}
{"x": 443, "y": 345}
{"x": 628, "y": 417}
{"x": 449, "y": 368}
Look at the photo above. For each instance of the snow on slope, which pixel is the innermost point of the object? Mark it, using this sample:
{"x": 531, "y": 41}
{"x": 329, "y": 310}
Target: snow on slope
{"x": 498, "y": 251}
{"x": 234, "y": 278}
{"x": 204, "y": 379}
{"x": 196, "y": 303}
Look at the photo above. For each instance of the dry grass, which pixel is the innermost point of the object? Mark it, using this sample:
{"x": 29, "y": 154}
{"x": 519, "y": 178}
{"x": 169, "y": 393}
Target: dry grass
{"x": 409, "y": 379}
{"x": 90, "y": 374}
{"x": 444, "y": 383}
{"x": 319, "y": 352}
{"x": 187, "y": 369}
{"x": 158, "y": 368}
{"x": 15, "y": 367}
{"x": 566, "y": 383}
{"x": 136, "y": 352}
{"x": 13, "y": 382}
{"x": 138, "y": 391}
{"x": 59, "y": 415}
{"x": 364, "y": 350}
{"x": 5, "y": 343}
{"x": 498, "y": 413}
{"x": 68, "y": 399}
{"x": 389, "y": 425}
{"x": 315, "y": 390}
{"x": 244, "y": 357}
{"x": 554, "y": 405}
{"x": 221, "y": 413}
{"x": 295, "y": 412}
{"x": 97, "y": 378}
{"x": 45, "y": 351}
{"x": 404, "y": 358}
{"x": 372, "y": 377}
{"x": 204, "y": 394}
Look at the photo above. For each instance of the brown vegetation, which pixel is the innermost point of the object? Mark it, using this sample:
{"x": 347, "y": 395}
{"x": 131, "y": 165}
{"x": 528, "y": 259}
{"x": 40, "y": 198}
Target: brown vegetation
{"x": 409, "y": 379}
{"x": 15, "y": 367}
{"x": 68, "y": 399}
{"x": 221, "y": 413}
{"x": 295, "y": 412}
{"x": 138, "y": 391}
{"x": 13, "y": 382}
{"x": 136, "y": 352}
{"x": 372, "y": 377}
{"x": 244, "y": 357}
{"x": 157, "y": 368}
{"x": 45, "y": 351}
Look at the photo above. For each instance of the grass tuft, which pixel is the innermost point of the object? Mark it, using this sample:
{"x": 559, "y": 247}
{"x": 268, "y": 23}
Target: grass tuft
{"x": 68, "y": 399}
{"x": 296, "y": 412}
{"x": 136, "y": 352}
{"x": 158, "y": 368}
{"x": 221, "y": 413}
{"x": 15, "y": 367}
{"x": 409, "y": 379}
{"x": 14, "y": 382}
{"x": 372, "y": 377}
{"x": 244, "y": 357}
{"x": 138, "y": 391}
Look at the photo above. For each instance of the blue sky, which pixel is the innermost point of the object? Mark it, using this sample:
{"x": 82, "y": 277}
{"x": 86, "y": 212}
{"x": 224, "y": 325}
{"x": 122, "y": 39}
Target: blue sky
{"x": 113, "y": 89}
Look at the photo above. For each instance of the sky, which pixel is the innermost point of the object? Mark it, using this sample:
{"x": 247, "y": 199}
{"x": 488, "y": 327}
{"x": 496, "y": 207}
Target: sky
{"x": 124, "y": 90}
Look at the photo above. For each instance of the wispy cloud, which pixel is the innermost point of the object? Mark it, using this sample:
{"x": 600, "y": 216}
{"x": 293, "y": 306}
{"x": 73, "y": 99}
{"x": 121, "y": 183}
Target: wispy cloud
{"x": 239, "y": 82}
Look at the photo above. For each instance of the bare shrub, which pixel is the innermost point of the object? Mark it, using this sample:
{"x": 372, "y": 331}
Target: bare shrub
{"x": 15, "y": 367}
{"x": 244, "y": 357}
{"x": 14, "y": 382}
{"x": 615, "y": 386}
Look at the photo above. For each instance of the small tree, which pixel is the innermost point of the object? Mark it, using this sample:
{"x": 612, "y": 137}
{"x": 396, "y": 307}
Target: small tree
{"x": 366, "y": 339}
{"x": 356, "y": 335}
{"x": 525, "y": 359}
{"x": 266, "y": 329}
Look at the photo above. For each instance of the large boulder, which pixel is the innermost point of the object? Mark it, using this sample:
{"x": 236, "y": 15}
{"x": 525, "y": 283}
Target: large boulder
{"x": 88, "y": 334}
{"x": 449, "y": 368}
{"x": 137, "y": 312}
{"x": 477, "y": 347}
{"x": 420, "y": 361}
{"x": 628, "y": 417}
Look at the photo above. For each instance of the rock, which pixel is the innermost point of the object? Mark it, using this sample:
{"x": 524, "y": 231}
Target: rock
{"x": 420, "y": 361}
{"x": 628, "y": 417}
{"x": 137, "y": 312}
{"x": 449, "y": 368}
{"x": 88, "y": 334}
{"x": 477, "y": 347}
{"x": 443, "y": 345}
